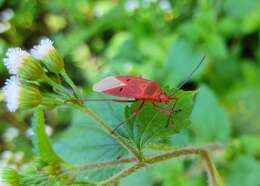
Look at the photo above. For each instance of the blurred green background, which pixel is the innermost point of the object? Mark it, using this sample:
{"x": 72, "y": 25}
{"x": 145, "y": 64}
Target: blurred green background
{"x": 160, "y": 40}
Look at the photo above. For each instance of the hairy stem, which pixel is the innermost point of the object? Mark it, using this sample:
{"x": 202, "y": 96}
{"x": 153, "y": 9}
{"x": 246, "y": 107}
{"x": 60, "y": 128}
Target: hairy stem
{"x": 71, "y": 83}
{"x": 109, "y": 130}
{"x": 210, "y": 169}
{"x": 99, "y": 165}
{"x": 57, "y": 86}
{"x": 165, "y": 156}
{"x": 105, "y": 164}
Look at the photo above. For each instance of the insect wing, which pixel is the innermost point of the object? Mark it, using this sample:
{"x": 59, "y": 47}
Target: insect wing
{"x": 122, "y": 86}
{"x": 110, "y": 82}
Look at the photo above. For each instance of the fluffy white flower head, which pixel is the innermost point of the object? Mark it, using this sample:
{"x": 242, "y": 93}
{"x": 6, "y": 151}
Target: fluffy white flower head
{"x": 41, "y": 50}
{"x": 12, "y": 93}
{"x": 14, "y": 59}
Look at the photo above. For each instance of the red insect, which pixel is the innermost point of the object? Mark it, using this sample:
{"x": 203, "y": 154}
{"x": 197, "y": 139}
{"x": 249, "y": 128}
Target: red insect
{"x": 137, "y": 88}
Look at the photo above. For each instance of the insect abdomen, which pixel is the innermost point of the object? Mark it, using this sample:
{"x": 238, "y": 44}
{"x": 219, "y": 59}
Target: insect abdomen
{"x": 151, "y": 91}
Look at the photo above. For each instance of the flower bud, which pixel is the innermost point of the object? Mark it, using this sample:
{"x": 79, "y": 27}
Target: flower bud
{"x": 21, "y": 96}
{"x": 48, "y": 55}
{"x": 22, "y": 64}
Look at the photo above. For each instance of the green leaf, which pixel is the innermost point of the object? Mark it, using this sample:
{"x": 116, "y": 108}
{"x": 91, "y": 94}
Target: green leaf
{"x": 244, "y": 170}
{"x": 152, "y": 125}
{"x": 84, "y": 142}
{"x": 141, "y": 177}
{"x": 41, "y": 141}
{"x": 182, "y": 59}
{"x": 209, "y": 121}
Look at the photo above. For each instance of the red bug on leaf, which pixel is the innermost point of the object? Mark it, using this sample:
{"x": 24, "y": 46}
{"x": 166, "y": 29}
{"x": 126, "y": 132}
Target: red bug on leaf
{"x": 139, "y": 89}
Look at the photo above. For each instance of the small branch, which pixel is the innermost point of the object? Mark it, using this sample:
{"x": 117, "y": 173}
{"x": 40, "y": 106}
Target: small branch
{"x": 100, "y": 165}
{"x": 97, "y": 165}
{"x": 210, "y": 169}
{"x": 109, "y": 130}
{"x": 71, "y": 83}
{"x": 57, "y": 86}
{"x": 122, "y": 174}
{"x": 105, "y": 164}
{"x": 165, "y": 156}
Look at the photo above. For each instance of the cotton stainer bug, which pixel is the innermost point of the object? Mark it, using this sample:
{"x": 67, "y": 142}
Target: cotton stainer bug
{"x": 139, "y": 89}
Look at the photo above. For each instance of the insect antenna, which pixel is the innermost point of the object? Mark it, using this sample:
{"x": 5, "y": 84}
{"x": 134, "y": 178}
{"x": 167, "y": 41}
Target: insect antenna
{"x": 178, "y": 87}
{"x": 190, "y": 76}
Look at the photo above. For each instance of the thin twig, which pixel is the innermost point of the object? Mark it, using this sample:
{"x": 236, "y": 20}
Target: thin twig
{"x": 165, "y": 156}
{"x": 210, "y": 169}
{"x": 102, "y": 164}
{"x": 71, "y": 83}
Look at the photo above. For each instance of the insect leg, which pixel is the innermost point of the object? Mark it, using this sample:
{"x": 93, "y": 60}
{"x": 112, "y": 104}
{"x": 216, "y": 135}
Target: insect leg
{"x": 130, "y": 117}
{"x": 101, "y": 99}
{"x": 169, "y": 114}
{"x": 173, "y": 111}
{"x": 161, "y": 109}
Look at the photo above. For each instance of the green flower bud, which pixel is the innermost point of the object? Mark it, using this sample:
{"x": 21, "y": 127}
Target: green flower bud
{"x": 31, "y": 70}
{"x": 30, "y": 97}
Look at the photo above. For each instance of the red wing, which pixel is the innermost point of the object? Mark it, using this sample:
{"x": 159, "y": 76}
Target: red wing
{"x": 122, "y": 86}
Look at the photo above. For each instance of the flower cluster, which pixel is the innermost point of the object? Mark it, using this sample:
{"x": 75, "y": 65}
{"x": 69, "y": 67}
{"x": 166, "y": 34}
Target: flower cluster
{"x": 28, "y": 71}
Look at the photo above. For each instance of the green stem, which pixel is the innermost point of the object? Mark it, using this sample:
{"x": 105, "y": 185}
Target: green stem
{"x": 71, "y": 83}
{"x": 109, "y": 130}
{"x": 165, "y": 156}
{"x": 97, "y": 165}
{"x": 105, "y": 164}
{"x": 57, "y": 86}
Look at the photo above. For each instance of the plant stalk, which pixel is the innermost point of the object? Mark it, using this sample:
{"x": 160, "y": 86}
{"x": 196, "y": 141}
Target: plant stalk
{"x": 165, "y": 156}
{"x": 57, "y": 86}
{"x": 71, "y": 83}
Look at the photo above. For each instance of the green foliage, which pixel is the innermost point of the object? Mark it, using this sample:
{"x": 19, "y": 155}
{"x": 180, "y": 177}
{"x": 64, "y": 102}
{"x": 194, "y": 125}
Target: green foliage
{"x": 209, "y": 120}
{"x": 102, "y": 38}
{"x": 182, "y": 59}
{"x": 247, "y": 169}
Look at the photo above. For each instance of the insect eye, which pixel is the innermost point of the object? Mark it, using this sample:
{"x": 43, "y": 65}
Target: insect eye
{"x": 120, "y": 89}
{"x": 128, "y": 79}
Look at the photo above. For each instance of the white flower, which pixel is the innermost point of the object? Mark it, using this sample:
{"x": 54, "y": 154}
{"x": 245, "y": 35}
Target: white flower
{"x": 41, "y": 51}
{"x": 14, "y": 59}
{"x": 12, "y": 93}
